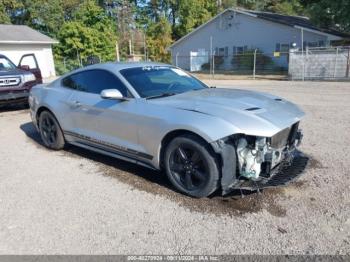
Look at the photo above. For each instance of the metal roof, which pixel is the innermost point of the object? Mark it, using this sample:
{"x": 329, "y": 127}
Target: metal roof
{"x": 296, "y": 21}
{"x": 293, "y": 21}
{"x": 22, "y": 34}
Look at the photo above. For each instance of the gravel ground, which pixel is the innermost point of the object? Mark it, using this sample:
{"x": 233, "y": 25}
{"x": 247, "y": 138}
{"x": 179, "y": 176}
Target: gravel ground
{"x": 78, "y": 202}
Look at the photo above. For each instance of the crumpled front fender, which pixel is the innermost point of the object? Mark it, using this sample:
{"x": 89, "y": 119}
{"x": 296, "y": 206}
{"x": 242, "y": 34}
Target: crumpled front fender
{"x": 227, "y": 152}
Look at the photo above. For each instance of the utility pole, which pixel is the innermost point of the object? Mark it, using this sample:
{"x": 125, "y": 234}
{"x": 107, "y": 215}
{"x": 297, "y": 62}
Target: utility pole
{"x": 348, "y": 63}
{"x": 254, "y": 68}
{"x": 122, "y": 10}
{"x": 336, "y": 63}
{"x": 211, "y": 55}
{"x": 302, "y": 52}
{"x": 144, "y": 46}
{"x": 130, "y": 51}
{"x": 117, "y": 51}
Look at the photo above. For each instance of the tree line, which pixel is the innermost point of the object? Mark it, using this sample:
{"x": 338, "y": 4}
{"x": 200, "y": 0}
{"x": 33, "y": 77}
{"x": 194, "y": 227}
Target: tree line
{"x": 86, "y": 28}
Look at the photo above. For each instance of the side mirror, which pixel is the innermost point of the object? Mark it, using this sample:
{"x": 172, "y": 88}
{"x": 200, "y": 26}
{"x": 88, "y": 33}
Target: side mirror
{"x": 112, "y": 94}
{"x": 24, "y": 67}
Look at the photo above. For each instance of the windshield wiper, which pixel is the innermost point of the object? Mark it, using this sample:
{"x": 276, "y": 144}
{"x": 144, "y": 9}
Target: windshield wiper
{"x": 161, "y": 95}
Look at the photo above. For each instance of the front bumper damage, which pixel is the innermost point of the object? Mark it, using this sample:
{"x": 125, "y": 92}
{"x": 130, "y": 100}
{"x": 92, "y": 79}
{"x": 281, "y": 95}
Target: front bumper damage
{"x": 251, "y": 163}
{"x": 287, "y": 171}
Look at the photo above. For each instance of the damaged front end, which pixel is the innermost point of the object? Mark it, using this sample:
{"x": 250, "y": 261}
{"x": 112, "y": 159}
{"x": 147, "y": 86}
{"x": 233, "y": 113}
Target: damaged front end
{"x": 253, "y": 162}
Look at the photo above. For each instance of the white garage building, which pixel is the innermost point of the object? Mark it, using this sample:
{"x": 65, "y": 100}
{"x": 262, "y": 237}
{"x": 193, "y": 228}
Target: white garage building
{"x": 18, "y": 40}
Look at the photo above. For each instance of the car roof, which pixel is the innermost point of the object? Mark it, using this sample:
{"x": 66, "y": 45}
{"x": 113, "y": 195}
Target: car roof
{"x": 117, "y": 66}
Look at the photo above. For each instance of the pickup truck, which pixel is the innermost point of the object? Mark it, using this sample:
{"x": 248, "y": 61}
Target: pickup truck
{"x": 16, "y": 81}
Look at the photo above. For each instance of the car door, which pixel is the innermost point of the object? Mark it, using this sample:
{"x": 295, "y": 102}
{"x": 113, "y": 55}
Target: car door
{"x": 103, "y": 123}
{"x": 29, "y": 63}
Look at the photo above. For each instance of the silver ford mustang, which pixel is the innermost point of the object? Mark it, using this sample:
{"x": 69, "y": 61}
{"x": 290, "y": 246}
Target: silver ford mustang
{"x": 159, "y": 116}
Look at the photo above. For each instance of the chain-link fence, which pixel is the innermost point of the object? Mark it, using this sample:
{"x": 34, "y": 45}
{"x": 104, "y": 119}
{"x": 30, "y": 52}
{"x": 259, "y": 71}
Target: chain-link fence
{"x": 310, "y": 64}
{"x": 64, "y": 65}
{"x": 331, "y": 63}
{"x": 251, "y": 63}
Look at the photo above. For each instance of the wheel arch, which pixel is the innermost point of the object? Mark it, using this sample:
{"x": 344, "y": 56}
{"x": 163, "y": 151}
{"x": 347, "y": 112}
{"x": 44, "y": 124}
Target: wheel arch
{"x": 40, "y": 110}
{"x": 59, "y": 141}
{"x": 173, "y": 134}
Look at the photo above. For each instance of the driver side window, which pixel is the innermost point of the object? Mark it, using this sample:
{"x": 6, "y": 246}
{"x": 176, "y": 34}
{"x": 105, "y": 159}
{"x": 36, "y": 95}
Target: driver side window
{"x": 94, "y": 81}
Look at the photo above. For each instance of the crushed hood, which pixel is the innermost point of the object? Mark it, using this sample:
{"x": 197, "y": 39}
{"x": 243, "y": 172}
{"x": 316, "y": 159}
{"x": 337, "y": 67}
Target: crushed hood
{"x": 252, "y": 113}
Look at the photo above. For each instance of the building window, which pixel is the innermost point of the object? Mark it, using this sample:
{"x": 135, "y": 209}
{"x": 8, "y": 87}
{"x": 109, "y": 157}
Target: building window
{"x": 216, "y": 52}
{"x": 283, "y": 48}
{"x": 222, "y": 51}
{"x": 312, "y": 44}
{"x": 278, "y": 47}
{"x": 321, "y": 43}
{"x": 239, "y": 50}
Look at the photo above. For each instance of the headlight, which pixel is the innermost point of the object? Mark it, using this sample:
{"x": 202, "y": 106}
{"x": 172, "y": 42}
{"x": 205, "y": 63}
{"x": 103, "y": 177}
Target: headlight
{"x": 28, "y": 78}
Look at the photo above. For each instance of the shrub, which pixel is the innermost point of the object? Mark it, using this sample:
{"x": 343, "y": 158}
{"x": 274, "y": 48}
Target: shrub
{"x": 218, "y": 60}
{"x": 246, "y": 61}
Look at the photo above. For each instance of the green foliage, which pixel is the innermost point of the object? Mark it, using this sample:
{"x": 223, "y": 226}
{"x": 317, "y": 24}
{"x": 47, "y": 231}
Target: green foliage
{"x": 218, "y": 61}
{"x": 90, "y": 33}
{"x": 329, "y": 13}
{"x": 4, "y": 17}
{"x": 158, "y": 40}
{"x": 64, "y": 65}
{"x": 87, "y": 28}
{"x": 192, "y": 14}
{"x": 45, "y": 16}
{"x": 246, "y": 61}
{"x": 291, "y": 7}
{"x": 6, "y": 10}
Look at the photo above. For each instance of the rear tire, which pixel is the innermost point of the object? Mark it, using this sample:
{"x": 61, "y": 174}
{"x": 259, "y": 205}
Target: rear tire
{"x": 191, "y": 166}
{"x": 50, "y": 131}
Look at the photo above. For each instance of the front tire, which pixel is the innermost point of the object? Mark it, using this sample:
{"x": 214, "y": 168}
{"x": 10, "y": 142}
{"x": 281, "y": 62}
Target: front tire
{"x": 50, "y": 131}
{"x": 191, "y": 166}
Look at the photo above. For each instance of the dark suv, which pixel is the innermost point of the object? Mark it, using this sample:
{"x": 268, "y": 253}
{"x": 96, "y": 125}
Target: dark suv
{"x": 16, "y": 81}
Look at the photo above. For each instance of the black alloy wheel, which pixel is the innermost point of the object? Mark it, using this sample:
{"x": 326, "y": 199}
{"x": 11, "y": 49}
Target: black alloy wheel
{"x": 188, "y": 167}
{"x": 50, "y": 131}
{"x": 191, "y": 166}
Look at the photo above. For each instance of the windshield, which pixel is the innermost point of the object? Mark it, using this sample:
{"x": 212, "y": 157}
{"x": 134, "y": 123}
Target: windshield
{"x": 153, "y": 81}
{"x": 6, "y": 64}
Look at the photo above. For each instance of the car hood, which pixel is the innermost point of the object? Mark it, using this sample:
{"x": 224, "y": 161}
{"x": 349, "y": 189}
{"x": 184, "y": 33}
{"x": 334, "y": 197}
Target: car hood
{"x": 251, "y": 113}
{"x": 13, "y": 72}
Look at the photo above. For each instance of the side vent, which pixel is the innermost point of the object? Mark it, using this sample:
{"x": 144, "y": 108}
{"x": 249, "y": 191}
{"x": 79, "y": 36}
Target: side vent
{"x": 253, "y": 108}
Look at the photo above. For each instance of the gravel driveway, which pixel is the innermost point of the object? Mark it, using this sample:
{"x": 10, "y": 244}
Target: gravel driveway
{"x": 78, "y": 202}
